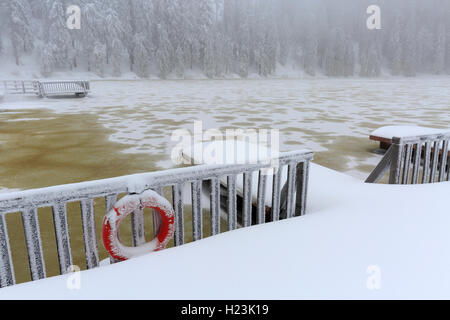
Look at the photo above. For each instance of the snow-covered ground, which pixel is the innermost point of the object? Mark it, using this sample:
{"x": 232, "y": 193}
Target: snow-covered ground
{"x": 332, "y": 117}
{"x": 362, "y": 241}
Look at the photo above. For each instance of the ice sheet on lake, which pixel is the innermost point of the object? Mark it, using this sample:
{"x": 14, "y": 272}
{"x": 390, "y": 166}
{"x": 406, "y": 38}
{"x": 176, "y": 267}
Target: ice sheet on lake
{"x": 333, "y": 116}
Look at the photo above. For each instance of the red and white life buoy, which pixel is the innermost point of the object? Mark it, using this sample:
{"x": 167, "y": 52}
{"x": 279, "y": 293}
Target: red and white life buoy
{"x": 124, "y": 207}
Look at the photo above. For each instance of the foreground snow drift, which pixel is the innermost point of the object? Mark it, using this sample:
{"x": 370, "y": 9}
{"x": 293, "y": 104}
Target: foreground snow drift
{"x": 351, "y": 227}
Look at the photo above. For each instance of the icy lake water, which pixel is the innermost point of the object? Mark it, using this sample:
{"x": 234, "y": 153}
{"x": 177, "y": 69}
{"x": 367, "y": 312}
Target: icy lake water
{"x": 125, "y": 127}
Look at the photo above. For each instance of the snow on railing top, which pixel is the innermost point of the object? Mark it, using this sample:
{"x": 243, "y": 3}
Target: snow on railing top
{"x": 137, "y": 183}
{"x": 415, "y": 159}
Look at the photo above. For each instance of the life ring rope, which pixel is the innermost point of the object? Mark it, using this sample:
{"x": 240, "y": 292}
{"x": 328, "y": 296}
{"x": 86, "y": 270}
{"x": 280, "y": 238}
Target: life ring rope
{"x": 123, "y": 208}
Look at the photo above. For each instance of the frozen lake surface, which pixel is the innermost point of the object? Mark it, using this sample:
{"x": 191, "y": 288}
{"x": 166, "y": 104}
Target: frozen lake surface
{"x": 332, "y": 117}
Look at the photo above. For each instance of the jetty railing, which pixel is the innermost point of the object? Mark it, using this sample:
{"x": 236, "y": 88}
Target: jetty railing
{"x": 52, "y": 88}
{"x": 47, "y": 88}
{"x": 27, "y": 203}
{"x": 21, "y": 87}
{"x": 413, "y": 160}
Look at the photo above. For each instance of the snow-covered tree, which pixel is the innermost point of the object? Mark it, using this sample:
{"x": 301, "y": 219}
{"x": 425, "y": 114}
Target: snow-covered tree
{"x": 438, "y": 61}
{"x": 117, "y": 54}
{"x": 141, "y": 57}
{"x": 223, "y": 37}
{"x": 21, "y": 28}
{"x": 164, "y": 53}
{"x": 99, "y": 58}
{"x": 58, "y": 40}
{"x": 47, "y": 60}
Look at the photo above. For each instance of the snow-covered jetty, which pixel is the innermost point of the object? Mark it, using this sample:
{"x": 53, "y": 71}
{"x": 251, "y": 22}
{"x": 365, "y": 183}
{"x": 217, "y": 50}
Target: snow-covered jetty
{"x": 47, "y": 88}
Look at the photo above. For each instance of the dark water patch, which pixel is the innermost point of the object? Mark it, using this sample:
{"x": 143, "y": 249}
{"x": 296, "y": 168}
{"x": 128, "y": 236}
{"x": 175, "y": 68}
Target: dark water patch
{"x": 60, "y": 149}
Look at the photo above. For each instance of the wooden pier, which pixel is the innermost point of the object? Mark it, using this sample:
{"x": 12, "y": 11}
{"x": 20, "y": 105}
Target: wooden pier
{"x": 44, "y": 89}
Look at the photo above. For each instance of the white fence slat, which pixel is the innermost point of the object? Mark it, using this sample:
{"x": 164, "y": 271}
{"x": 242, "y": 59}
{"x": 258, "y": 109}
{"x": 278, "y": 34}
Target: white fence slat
{"x": 33, "y": 242}
{"x": 232, "y": 202}
{"x": 7, "y": 277}
{"x": 178, "y": 207}
{"x": 197, "y": 214}
{"x": 261, "y": 199}
{"x": 291, "y": 183}
{"x": 276, "y": 193}
{"x": 215, "y": 206}
{"x": 444, "y": 157}
{"x": 89, "y": 233}
{"x": 62, "y": 237}
{"x": 247, "y": 203}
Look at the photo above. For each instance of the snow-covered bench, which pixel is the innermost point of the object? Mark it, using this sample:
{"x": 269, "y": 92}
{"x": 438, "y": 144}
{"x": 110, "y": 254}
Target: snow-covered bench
{"x": 414, "y": 157}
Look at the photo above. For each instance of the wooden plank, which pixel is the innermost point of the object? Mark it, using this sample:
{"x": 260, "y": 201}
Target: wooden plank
{"x": 426, "y": 163}
{"x": 416, "y": 166}
{"x": 276, "y": 193}
{"x": 137, "y": 227}
{"x": 62, "y": 237}
{"x": 232, "y": 202}
{"x": 443, "y": 162}
{"x": 434, "y": 163}
{"x": 247, "y": 203}
{"x": 396, "y": 163}
{"x": 381, "y": 169}
{"x": 6, "y": 266}
{"x": 156, "y": 216}
{"x": 34, "y": 243}
{"x": 110, "y": 202}
{"x": 215, "y": 206}
{"x": 178, "y": 205}
{"x": 89, "y": 233}
{"x": 197, "y": 213}
{"x": 448, "y": 169}
{"x": 261, "y": 199}
{"x": 407, "y": 164}
{"x": 291, "y": 184}
{"x": 380, "y": 139}
{"x": 302, "y": 188}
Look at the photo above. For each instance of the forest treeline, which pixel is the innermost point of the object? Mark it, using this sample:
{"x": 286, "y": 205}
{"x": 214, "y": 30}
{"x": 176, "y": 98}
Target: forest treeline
{"x": 220, "y": 38}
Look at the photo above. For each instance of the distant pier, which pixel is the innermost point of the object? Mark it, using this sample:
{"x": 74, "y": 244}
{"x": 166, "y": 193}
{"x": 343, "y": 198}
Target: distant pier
{"x": 44, "y": 89}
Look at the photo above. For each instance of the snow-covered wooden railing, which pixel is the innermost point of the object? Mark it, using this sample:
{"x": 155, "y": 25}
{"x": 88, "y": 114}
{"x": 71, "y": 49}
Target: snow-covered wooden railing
{"x": 21, "y": 87}
{"x": 412, "y": 160}
{"x": 27, "y": 204}
{"x": 53, "y": 88}
{"x": 47, "y": 88}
